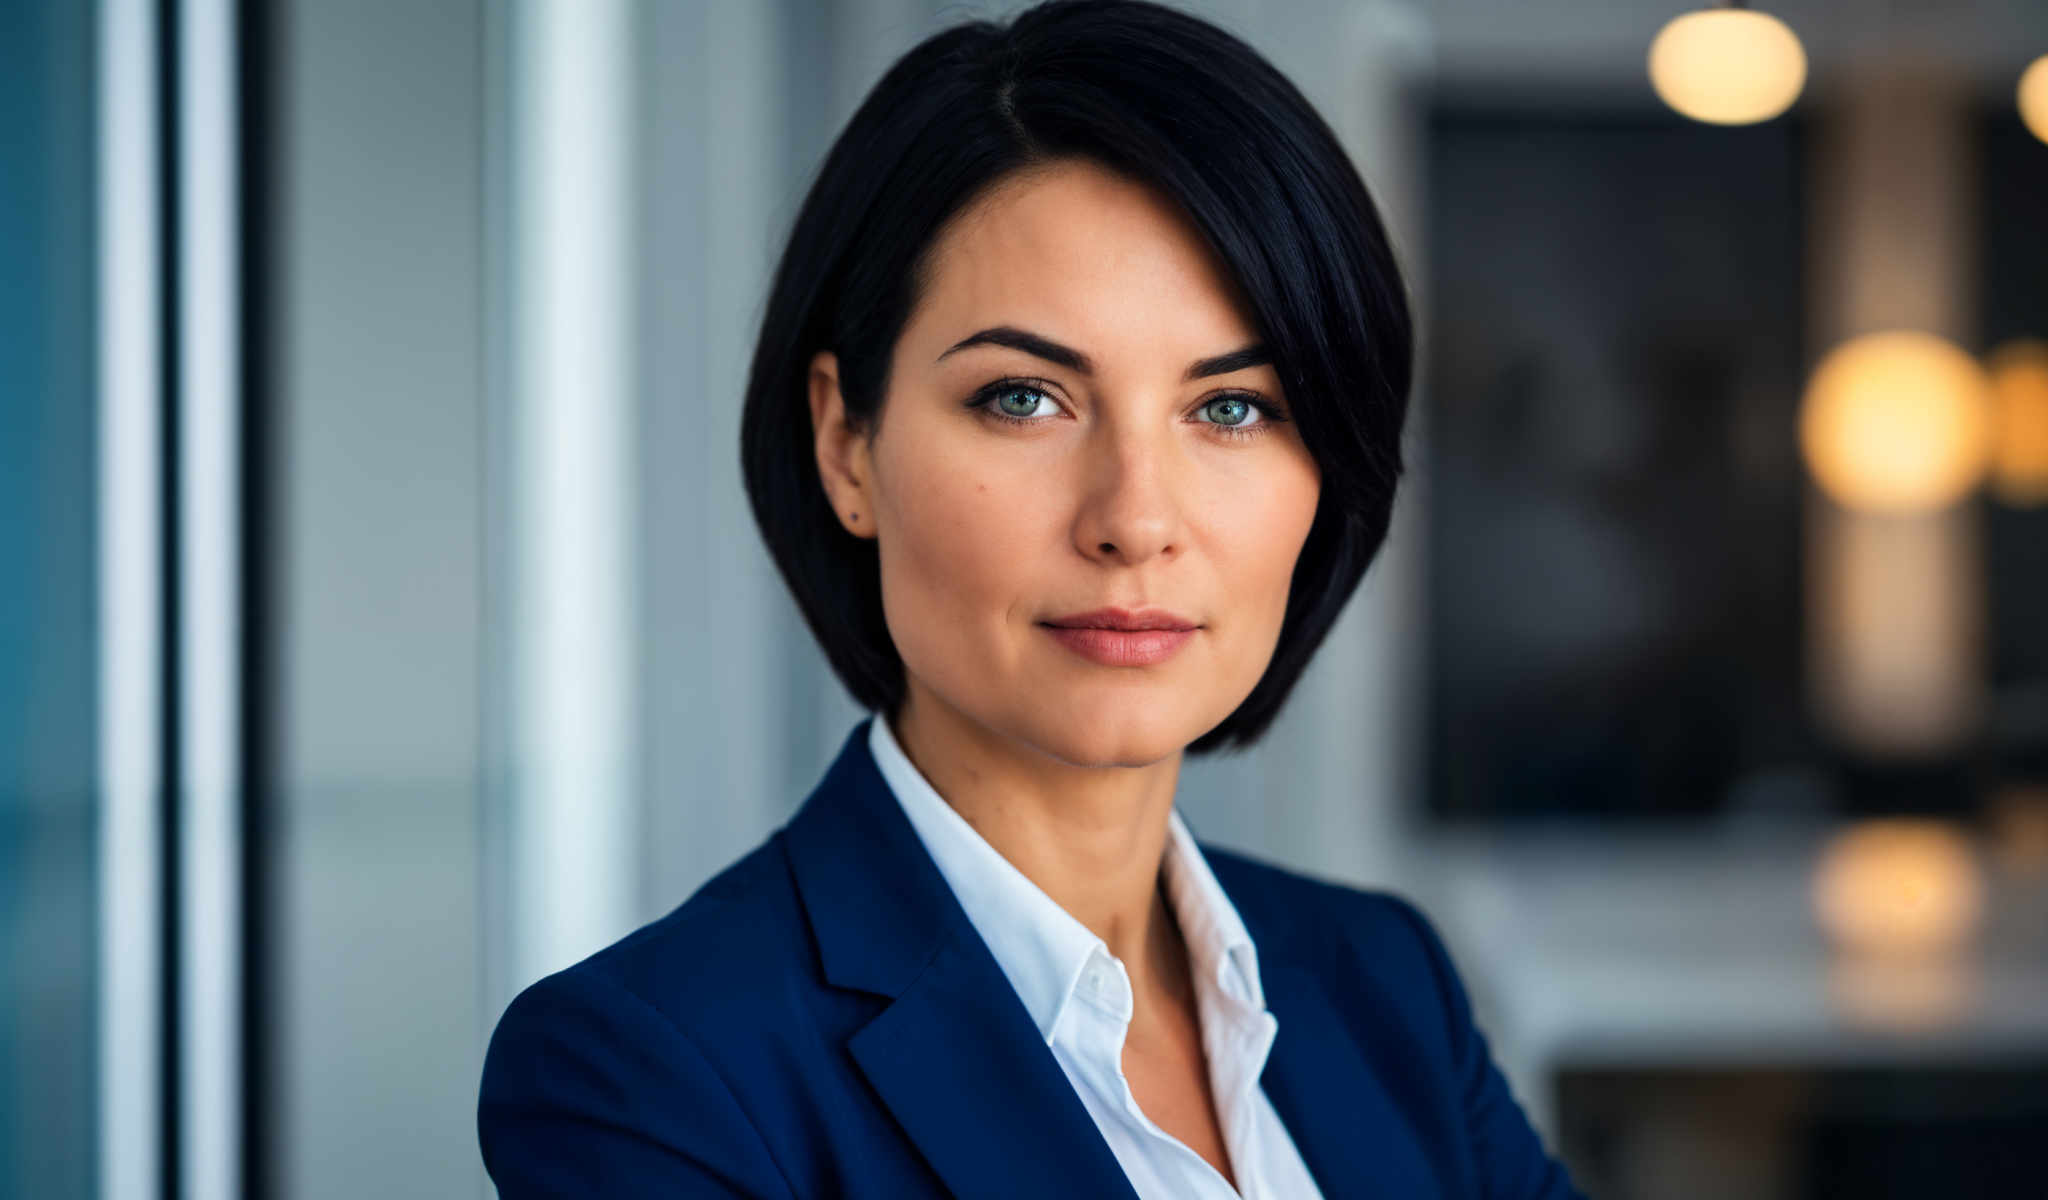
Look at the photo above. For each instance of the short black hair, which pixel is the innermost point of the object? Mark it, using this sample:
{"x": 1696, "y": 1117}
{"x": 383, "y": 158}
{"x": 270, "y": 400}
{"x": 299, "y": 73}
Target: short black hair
{"x": 1159, "y": 97}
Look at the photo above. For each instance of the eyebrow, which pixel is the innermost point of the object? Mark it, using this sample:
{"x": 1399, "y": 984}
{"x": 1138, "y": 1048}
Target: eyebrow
{"x": 1072, "y": 359}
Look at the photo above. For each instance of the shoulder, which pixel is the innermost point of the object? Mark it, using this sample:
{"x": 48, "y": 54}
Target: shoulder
{"x": 573, "y": 1062}
{"x": 1396, "y": 992}
{"x": 696, "y": 972}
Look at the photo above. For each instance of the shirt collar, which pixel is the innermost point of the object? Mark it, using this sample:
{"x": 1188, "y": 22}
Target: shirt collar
{"x": 1218, "y": 942}
{"x": 1040, "y": 946}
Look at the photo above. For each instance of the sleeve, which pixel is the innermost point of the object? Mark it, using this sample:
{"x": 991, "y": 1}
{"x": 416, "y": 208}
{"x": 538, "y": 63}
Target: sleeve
{"x": 1509, "y": 1157}
{"x": 588, "y": 1091}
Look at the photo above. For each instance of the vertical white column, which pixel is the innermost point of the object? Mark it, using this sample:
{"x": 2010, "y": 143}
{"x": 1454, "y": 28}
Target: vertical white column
{"x": 209, "y": 633}
{"x": 572, "y": 610}
{"x": 130, "y": 605}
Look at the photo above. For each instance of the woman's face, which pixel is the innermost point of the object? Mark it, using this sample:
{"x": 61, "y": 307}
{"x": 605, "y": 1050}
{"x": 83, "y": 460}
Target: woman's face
{"x": 1113, "y": 465}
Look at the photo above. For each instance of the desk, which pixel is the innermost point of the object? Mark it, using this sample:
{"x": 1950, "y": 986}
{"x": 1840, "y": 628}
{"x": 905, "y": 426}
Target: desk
{"x": 1670, "y": 1014}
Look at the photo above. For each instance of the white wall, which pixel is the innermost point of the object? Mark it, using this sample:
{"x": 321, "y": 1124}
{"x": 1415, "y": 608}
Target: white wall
{"x": 379, "y": 1037}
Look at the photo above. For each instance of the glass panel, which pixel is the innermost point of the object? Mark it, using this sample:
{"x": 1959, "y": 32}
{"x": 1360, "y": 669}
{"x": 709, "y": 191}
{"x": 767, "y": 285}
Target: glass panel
{"x": 48, "y": 607}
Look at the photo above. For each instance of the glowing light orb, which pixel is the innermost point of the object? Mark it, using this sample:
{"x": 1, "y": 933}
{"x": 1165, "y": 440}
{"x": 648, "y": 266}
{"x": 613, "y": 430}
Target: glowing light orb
{"x": 2034, "y": 97}
{"x": 1897, "y": 422}
{"x": 2019, "y": 403}
{"x": 1727, "y": 66}
{"x": 1898, "y": 885}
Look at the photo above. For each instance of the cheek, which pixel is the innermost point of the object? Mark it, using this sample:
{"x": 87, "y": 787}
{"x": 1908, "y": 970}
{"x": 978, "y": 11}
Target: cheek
{"x": 957, "y": 553}
{"x": 1264, "y": 534}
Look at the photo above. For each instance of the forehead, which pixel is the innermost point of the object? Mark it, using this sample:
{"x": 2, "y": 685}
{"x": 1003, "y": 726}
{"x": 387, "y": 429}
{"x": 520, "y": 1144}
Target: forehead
{"x": 1076, "y": 249}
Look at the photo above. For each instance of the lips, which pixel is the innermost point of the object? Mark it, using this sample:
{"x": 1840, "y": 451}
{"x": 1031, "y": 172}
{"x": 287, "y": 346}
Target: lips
{"x": 1116, "y": 637}
{"x": 1125, "y": 620}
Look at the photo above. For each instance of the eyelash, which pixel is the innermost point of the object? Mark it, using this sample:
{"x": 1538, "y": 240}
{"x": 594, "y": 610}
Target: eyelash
{"x": 984, "y": 400}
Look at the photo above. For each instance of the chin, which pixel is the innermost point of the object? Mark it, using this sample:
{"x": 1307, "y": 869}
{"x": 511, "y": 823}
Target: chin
{"x": 1117, "y": 732}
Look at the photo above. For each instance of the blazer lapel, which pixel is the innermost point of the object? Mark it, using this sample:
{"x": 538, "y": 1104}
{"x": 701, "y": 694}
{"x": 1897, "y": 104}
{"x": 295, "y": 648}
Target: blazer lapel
{"x": 1354, "y": 1138}
{"x": 955, "y": 1056}
{"x": 976, "y": 1087}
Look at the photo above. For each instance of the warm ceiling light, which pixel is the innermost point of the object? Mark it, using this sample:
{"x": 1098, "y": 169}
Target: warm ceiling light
{"x": 2019, "y": 420}
{"x": 1896, "y": 422}
{"x": 2034, "y": 97}
{"x": 1728, "y": 66}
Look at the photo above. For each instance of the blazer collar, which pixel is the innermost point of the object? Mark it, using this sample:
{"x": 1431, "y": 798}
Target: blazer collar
{"x": 957, "y": 1058}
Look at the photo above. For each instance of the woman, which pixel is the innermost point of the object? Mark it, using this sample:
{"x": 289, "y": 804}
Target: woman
{"x": 1073, "y": 422}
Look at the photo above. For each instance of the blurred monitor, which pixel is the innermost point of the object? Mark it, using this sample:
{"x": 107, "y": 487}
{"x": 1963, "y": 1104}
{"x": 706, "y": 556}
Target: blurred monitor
{"x": 1614, "y": 367}
{"x": 1616, "y": 349}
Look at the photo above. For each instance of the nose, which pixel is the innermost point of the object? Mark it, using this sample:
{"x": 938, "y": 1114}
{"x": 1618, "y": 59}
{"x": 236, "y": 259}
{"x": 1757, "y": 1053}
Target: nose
{"x": 1130, "y": 507}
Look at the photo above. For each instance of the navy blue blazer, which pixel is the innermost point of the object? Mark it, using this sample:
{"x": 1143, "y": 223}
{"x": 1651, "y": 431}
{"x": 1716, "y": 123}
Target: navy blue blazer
{"x": 822, "y": 1019}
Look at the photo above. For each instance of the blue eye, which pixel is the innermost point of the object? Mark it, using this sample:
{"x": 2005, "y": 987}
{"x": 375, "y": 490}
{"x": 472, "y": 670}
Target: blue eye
{"x": 1238, "y": 407}
{"x": 1232, "y": 412}
{"x": 1013, "y": 401}
{"x": 1004, "y": 397}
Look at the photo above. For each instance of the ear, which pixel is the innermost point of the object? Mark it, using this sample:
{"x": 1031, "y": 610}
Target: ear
{"x": 843, "y": 463}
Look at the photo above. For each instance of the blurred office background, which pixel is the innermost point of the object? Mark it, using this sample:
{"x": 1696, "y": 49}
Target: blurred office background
{"x": 382, "y": 625}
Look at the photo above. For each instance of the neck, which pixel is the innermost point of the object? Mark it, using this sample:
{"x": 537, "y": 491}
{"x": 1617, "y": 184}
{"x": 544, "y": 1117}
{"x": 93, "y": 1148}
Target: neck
{"x": 1090, "y": 837}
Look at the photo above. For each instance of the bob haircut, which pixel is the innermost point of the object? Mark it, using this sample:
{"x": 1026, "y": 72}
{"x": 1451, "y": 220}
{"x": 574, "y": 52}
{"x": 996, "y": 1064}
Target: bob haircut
{"x": 1162, "y": 98}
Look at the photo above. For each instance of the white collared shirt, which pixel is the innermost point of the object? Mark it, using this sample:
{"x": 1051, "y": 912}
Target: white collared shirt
{"x": 1079, "y": 995}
